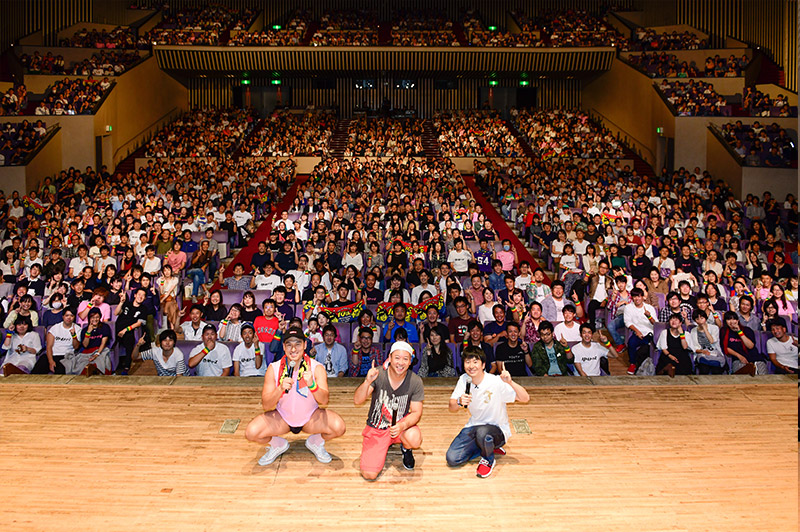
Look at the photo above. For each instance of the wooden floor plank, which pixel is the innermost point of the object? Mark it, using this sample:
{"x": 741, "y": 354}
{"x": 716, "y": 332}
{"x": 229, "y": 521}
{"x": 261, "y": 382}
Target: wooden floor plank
{"x": 119, "y": 457}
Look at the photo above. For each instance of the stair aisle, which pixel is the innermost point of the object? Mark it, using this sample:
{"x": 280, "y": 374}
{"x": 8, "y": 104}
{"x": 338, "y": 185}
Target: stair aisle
{"x": 338, "y": 141}
{"x": 522, "y": 142}
{"x": 429, "y": 142}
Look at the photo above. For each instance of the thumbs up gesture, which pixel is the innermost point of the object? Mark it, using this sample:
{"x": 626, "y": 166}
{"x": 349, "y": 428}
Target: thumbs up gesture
{"x": 372, "y": 374}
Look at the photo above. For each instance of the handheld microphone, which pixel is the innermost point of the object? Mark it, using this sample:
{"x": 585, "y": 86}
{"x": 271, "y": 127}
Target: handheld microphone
{"x": 469, "y": 384}
{"x": 291, "y": 372}
{"x": 394, "y": 416}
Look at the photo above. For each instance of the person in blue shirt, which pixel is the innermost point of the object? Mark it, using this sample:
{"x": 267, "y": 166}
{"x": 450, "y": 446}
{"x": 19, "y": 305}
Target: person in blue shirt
{"x": 497, "y": 279}
{"x": 484, "y": 257}
{"x": 399, "y": 312}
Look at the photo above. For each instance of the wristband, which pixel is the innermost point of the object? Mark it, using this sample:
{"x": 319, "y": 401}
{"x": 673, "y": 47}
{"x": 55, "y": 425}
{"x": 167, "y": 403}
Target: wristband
{"x": 313, "y": 387}
{"x": 606, "y": 344}
{"x": 740, "y": 332}
{"x": 74, "y": 336}
{"x": 277, "y": 336}
{"x": 90, "y": 305}
{"x": 129, "y": 328}
{"x": 257, "y": 347}
{"x": 205, "y": 351}
{"x": 224, "y": 322}
{"x": 682, "y": 336}
{"x": 567, "y": 349}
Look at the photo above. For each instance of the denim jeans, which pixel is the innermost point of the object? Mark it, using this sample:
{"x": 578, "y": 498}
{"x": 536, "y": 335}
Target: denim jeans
{"x": 636, "y": 344}
{"x": 614, "y": 325}
{"x": 197, "y": 276}
{"x": 471, "y": 442}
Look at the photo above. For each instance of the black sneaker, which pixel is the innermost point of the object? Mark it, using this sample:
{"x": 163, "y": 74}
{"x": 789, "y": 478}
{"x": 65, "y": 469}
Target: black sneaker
{"x": 408, "y": 458}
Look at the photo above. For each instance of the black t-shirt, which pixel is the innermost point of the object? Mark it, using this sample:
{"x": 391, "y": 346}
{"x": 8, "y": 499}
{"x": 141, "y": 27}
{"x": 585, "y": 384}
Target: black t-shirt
{"x": 131, "y": 314}
{"x": 385, "y": 400}
{"x": 513, "y": 357}
{"x": 373, "y": 296}
{"x": 251, "y": 315}
{"x": 286, "y": 261}
{"x": 212, "y": 314}
{"x": 441, "y": 327}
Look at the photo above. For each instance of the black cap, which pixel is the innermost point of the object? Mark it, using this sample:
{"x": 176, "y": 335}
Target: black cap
{"x": 293, "y": 332}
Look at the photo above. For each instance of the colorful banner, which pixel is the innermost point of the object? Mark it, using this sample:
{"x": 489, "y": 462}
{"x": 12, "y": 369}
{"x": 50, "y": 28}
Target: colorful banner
{"x": 347, "y": 314}
{"x": 32, "y": 204}
{"x": 609, "y": 218}
{"x": 407, "y": 247}
{"x": 415, "y": 312}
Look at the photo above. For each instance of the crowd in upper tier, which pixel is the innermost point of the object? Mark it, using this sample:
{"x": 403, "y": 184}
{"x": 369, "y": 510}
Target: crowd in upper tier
{"x": 475, "y": 134}
{"x": 17, "y": 141}
{"x": 662, "y": 65}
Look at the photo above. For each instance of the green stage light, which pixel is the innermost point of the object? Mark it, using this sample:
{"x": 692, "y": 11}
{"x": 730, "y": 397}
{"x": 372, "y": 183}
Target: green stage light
{"x": 276, "y": 27}
{"x": 492, "y": 28}
{"x": 276, "y": 82}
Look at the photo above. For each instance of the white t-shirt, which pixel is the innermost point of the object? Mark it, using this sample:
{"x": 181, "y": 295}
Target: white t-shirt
{"x": 151, "y": 266}
{"x": 570, "y": 334}
{"x": 270, "y": 282}
{"x": 103, "y": 263}
{"x": 459, "y": 260}
{"x": 635, "y": 316}
{"x": 589, "y": 357}
{"x": 785, "y": 352}
{"x": 214, "y": 362}
{"x": 417, "y": 290}
{"x": 247, "y": 360}
{"x": 62, "y": 339}
{"x": 489, "y": 398}
{"x": 301, "y": 279}
{"x": 174, "y": 365}
{"x": 242, "y": 218}
{"x": 189, "y": 333}
{"x": 523, "y": 282}
{"x": 600, "y": 293}
{"x": 77, "y": 264}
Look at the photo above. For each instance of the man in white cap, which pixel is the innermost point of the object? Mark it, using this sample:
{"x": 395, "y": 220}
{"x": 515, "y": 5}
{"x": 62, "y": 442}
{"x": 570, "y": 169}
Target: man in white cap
{"x": 294, "y": 388}
{"x": 394, "y": 411}
{"x": 485, "y": 395}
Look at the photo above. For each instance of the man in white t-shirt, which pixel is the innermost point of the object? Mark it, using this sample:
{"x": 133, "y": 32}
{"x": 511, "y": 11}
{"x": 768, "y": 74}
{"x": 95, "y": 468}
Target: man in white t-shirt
{"x": 639, "y": 318}
{"x": 485, "y": 395}
{"x": 211, "y": 358}
{"x": 782, "y": 348}
{"x": 241, "y": 217}
{"x": 568, "y": 330}
{"x": 267, "y": 280}
{"x": 524, "y": 279}
{"x": 591, "y": 357}
{"x": 459, "y": 258}
{"x": 193, "y": 329}
{"x": 248, "y": 357}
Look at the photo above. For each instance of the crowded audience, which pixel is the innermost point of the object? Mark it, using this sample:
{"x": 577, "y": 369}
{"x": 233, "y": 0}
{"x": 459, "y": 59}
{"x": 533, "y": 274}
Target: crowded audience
{"x": 291, "y": 35}
{"x": 197, "y": 26}
{"x": 203, "y": 133}
{"x": 382, "y": 137}
{"x": 14, "y": 100}
{"x": 574, "y": 28}
{"x": 647, "y": 39}
{"x": 759, "y": 145}
{"x": 119, "y": 37}
{"x": 474, "y": 134}
{"x": 347, "y": 28}
{"x": 694, "y": 98}
{"x": 73, "y": 97}
{"x": 113, "y": 63}
{"x": 756, "y": 103}
{"x": 662, "y": 65}
{"x": 19, "y": 140}
{"x": 285, "y": 133}
{"x": 565, "y": 133}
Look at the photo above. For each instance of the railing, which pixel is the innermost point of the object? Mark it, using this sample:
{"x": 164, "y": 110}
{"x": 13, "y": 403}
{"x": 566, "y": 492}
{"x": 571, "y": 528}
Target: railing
{"x": 628, "y": 139}
{"x": 672, "y": 108}
{"x": 51, "y": 131}
{"x": 139, "y": 138}
{"x": 717, "y": 133}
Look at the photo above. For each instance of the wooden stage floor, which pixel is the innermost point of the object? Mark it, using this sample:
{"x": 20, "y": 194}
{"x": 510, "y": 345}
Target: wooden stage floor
{"x": 139, "y": 454}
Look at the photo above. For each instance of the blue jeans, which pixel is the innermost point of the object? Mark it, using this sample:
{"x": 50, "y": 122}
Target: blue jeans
{"x": 472, "y": 442}
{"x": 636, "y": 344}
{"x": 198, "y": 277}
{"x": 614, "y": 325}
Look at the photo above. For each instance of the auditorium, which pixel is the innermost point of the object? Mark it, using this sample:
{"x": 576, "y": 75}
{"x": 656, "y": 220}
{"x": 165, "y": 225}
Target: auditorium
{"x": 397, "y": 252}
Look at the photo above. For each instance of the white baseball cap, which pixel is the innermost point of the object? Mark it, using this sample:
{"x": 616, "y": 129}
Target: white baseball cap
{"x": 402, "y": 346}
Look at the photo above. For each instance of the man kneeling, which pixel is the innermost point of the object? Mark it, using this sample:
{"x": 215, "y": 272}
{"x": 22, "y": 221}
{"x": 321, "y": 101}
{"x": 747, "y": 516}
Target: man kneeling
{"x": 394, "y": 412}
{"x": 485, "y": 395}
{"x": 294, "y": 388}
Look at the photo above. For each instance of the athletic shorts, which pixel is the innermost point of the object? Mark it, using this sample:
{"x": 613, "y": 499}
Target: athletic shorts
{"x": 374, "y": 447}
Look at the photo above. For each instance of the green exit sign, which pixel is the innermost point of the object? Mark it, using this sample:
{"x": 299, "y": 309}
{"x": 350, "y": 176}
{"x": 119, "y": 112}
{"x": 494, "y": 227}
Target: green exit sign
{"x": 659, "y": 130}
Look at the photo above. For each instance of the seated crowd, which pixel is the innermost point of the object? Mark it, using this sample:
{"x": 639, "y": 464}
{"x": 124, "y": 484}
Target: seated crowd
{"x": 759, "y": 104}
{"x": 474, "y": 134}
{"x": 565, "y": 133}
{"x": 203, "y": 133}
{"x": 572, "y": 28}
{"x": 291, "y": 35}
{"x": 101, "y": 264}
{"x": 758, "y": 145}
{"x": 381, "y": 137}
{"x": 113, "y": 63}
{"x": 662, "y": 65}
{"x": 478, "y": 34}
{"x": 17, "y": 141}
{"x": 694, "y": 98}
{"x": 285, "y": 133}
{"x": 73, "y": 97}
{"x": 422, "y": 28}
{"x": 197, "y": 26}
{"x": 647, "y": 39}
{"x": 14, "y": 100}
{"x": 347, "y": 28}
{"x": 119, "y": 37}
{"x": 678, "y": 267}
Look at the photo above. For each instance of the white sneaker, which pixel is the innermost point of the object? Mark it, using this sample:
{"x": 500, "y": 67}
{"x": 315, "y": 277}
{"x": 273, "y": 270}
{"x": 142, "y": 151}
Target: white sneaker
{"x": 272, "y": 454}
{"x": 319, "y": 452}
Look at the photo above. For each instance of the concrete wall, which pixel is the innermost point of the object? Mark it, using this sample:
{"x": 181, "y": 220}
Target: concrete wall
{"x": 628, "y": 104}
{"x": 46, "y": 163}
{"x": 691, "y": 135}
{"x": 721, "y": 164}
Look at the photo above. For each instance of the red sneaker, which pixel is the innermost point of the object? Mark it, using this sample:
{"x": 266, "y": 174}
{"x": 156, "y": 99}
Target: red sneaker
{"x": 499, "y": 451}
{"x": 632, "y": 369}
{"x": 620, "y": 348}
{"x": 485, "y": 468}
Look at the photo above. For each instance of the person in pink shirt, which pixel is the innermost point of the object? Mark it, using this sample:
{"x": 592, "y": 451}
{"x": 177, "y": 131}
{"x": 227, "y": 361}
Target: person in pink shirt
{"x": 508, "y": 256}
{"x": 176, "y": 259}
{"x": 294, "y": 388}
